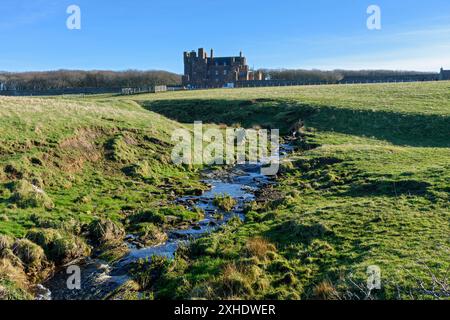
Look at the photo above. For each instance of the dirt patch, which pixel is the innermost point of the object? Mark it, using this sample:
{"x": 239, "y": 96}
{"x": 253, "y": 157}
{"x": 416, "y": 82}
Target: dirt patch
{"x": 13, "y": 172}
{"x": 157, "y": 142}
{"x": 79, "y": 149}
{"x": 82, "y": 141}
{"x": 269, "y": 194}
{"x": 128, "y": 139}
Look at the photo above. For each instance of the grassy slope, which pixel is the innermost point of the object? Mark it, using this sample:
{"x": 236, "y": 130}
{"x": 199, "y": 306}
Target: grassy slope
{"x": 67, "y": 147}
{"x": 375, "y": 191}
{"x": 94, "y": 159}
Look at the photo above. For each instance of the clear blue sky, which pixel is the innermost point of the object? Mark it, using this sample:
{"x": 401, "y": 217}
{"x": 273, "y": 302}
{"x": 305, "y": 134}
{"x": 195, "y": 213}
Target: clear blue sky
{"x": 152, "y": 34}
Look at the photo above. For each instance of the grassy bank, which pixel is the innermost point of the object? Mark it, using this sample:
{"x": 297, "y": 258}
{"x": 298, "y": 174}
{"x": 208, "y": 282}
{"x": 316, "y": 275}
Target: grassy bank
{"x": 76, "y": 176}
{"x": 369, "y": 186}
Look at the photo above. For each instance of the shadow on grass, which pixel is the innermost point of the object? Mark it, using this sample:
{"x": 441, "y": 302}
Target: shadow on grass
{"x": 389, "y": 188}
{"x": 247, "y": 113}
{"x": 317, "y": 244}
{"x": 417, "y": 130}
{"x": 292, "y": 231}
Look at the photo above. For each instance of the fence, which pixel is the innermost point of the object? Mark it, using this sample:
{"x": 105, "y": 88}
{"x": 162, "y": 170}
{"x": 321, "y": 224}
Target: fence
{"x": 284, "y": 83}
{"x": 154, "y": 89}
{"x": 78, "y": 91}
{"x": 56, "y": 92}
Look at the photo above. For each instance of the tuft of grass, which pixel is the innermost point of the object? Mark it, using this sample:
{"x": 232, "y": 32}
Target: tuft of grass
{"x": 325, "y": 291}
{"x": 129, "y": 291}
{"x": 31, "y": 255}
{"x": 27, "y": 195}
{"x": 121, "y": 149}
{"x": 146, "y": 271}
{"x": 225, "y": 202}
{"x": 140, "y": 170}
{"x": 6, "y": 242}
{"x": 234, "y": 283}
{"x": 259, "y": 247}
{"x": 149, "y": 234}
{"x": 13, "y": 282}
{"x": 106, "y": 232}
{"x": 59, "y": 246}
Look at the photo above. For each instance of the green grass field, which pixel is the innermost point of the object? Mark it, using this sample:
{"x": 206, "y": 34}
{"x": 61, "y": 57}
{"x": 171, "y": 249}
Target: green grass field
{"x": 373, "y": 190}
{"x": 369, "y": 185}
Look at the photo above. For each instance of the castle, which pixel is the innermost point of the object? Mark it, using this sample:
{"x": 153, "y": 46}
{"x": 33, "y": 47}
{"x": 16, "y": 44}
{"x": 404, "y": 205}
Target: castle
{"x": 201, "y": 71}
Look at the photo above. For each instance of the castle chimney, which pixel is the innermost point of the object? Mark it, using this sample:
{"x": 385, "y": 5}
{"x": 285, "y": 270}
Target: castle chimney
{"x": 201, "y": 53}
{"x": 240, "y": 54}
{"x": 212, "y": 53}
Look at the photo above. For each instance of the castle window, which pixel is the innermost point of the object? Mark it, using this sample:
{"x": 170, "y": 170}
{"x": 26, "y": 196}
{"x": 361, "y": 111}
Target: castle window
{"x": 217, "y": 72}
{"x": 225, "y": 72}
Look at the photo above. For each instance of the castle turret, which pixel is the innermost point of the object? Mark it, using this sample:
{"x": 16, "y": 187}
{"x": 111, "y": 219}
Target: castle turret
{"x": 201, "y": 53}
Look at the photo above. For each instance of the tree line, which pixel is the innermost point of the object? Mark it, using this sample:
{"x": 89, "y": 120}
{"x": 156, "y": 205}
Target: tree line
{"x": 63, "y": 79}
{"x": 336, "y": 76}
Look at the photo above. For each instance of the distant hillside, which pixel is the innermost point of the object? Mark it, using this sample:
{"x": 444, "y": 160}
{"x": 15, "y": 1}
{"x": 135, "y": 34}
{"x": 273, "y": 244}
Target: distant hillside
{"x": 85, "y": 79}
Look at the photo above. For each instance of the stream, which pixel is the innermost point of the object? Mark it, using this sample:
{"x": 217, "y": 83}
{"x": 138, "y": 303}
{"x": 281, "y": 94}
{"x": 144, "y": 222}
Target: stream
{"x": 99, "y": 279}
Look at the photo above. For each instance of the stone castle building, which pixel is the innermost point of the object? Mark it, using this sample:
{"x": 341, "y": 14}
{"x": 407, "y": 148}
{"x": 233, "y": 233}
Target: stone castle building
{"x": 201, "y": 71}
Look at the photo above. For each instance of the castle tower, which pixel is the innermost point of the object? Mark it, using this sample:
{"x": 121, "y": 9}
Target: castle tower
{"x": 202, "y": 54}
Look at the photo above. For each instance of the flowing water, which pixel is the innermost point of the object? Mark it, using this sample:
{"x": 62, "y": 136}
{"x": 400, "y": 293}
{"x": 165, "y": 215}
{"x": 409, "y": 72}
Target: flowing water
{"x": 99, "y": 279}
